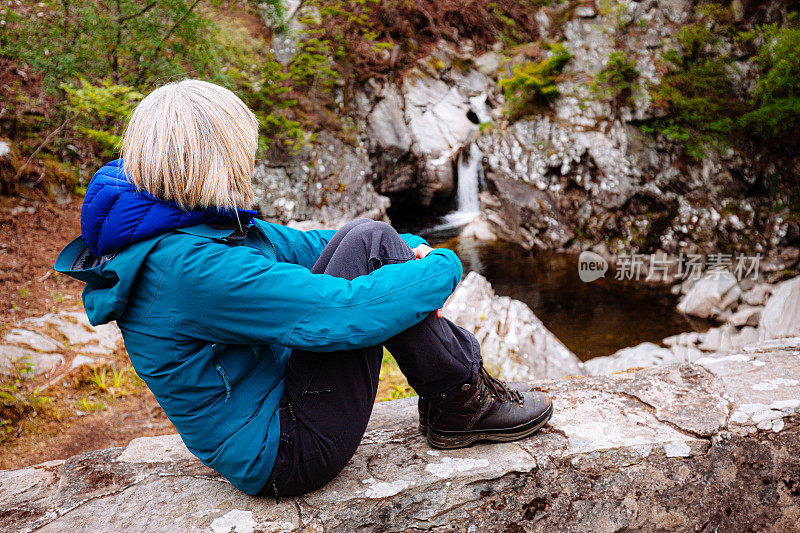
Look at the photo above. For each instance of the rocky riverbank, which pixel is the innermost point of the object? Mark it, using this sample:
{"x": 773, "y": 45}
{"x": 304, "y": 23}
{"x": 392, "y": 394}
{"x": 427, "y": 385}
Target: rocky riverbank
{"x": 749, "y": 312}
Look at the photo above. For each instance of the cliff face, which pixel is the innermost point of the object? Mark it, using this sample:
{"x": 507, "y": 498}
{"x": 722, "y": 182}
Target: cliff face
{"x": 587, "y": 165}
{"x": 710, "y": 446}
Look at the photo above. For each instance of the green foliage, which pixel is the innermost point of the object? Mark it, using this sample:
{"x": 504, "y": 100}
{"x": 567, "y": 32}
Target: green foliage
{"x": 617, "y": 79}
{"x": 17, "y": 402}
{"x": 392, "y": 384}
{"x": 277, "y": 100}
{"x": 88, "y": 405}
{"x": 312, "y": 67}
{"x": 698, "y": 92}
{"x": 100, "y": 111}
{"x": 132, "y": 42}
{"x": 111, "y": 381}
{"x": 533, "y": 84}
{"x": 775, "y": 114}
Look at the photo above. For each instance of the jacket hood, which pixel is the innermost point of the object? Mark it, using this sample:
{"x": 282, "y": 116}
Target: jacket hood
{"x": 115, "y": 214}
{"x": 119, "y": 228}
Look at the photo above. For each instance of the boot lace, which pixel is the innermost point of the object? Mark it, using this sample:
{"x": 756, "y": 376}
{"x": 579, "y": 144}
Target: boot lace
{"x": 500, "y": 389}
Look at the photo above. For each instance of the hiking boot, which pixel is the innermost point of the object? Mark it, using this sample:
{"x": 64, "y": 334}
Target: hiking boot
{"x": 488, "y": 410}
{"x": 422, "y": 403}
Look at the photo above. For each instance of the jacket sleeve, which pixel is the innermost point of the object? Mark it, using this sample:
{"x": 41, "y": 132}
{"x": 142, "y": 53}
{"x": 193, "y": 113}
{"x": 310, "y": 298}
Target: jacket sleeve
{"x": 235, "y": 295}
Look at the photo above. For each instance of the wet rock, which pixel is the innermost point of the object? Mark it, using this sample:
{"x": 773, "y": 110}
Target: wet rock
{"x": 711, "y": 295}
{"x": 630, "y": 451}
{"x": 746, "y": 315}
{"x": 524, "y": 214}
{"x": 479, "y": 228}
{"x": 514, "y": 342}
{"x": 781, "y": 315}
{"x": 758, "y": 294}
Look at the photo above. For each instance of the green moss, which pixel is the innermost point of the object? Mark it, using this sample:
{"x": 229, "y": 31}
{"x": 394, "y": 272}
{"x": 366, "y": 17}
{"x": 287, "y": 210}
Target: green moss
{"x": 533, "y": 83}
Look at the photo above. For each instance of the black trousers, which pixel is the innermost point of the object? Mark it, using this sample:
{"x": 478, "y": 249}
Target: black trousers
{"x": 329, "y": 396}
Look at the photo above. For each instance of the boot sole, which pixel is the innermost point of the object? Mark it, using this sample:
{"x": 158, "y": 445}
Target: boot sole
{"x": 448, "y": 440}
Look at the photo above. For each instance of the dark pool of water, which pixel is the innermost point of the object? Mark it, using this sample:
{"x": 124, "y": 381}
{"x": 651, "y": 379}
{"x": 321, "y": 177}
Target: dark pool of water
{"x": 592, "y": 319}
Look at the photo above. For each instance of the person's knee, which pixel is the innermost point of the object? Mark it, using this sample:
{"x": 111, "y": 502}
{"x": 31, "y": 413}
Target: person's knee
{"x": 347, "y": 228}
{"x": 373, "y": 228}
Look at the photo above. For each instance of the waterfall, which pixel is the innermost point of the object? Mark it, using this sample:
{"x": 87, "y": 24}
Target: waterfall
{"x": 468, "y": 176}
{"x": 469, "y": 169}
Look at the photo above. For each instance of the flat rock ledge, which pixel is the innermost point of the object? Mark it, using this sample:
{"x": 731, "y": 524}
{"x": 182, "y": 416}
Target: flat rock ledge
{"x": 712, "y": 446}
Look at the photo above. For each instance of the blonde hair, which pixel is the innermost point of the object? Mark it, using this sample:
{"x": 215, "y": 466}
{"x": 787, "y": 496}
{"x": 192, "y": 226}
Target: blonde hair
{"x": 193, "y": 143}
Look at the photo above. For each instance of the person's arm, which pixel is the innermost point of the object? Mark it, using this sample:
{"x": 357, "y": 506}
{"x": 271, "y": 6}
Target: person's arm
{"x": 413, "y": 240}
{"x": 235, "y": 295}
{"x": 294, "y": 245}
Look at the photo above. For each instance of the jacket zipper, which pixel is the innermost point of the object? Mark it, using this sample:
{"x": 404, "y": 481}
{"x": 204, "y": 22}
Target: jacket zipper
{"x": 221, "y": 371}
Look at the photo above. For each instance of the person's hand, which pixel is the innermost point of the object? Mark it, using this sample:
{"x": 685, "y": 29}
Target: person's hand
{"x": 422, "y": 250}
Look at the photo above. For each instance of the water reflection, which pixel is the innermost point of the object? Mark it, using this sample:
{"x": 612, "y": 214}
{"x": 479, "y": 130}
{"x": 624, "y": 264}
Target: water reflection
{"x": 592, "y": 319}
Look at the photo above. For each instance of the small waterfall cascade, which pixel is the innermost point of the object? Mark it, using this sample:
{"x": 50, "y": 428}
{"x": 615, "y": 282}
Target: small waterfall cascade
{"x": 468, "y": 175}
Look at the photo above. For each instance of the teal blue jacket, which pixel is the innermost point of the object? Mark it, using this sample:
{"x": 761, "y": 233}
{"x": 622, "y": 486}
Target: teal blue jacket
{"x": 209, "y": 318}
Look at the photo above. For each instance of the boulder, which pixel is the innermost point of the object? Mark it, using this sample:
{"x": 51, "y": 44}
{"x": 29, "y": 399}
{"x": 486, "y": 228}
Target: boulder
{"x": 478, "y": 228}
{"x": 516, "y": 346}
{"x": 758, "y": 294}
{"x": 643, "y": 355}
{"x": 781, "y": 315}
{"x": 39, "y": 343}
{"x": 521, "y": 213}
{"x": 711, "y": 446}
{"x": 711, "y": 295}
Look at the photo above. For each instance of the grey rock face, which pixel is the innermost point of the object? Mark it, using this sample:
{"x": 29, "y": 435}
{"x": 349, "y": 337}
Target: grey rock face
{"x": 602, "y": 179}
{"x": 515, "y": 344}
{"x": 414, "y": 130}
{"x": 327, "y": 182}
{"x": 684, "y": 447}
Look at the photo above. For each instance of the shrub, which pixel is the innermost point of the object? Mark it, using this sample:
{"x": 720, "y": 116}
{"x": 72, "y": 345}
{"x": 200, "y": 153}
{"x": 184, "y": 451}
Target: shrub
{"x": 100, "y": 111}
{"x": 775, "y": 114}
{"x": 533, "y": 84}
{"x": 699, "y": 94}
{"x": 617, "y": 79}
